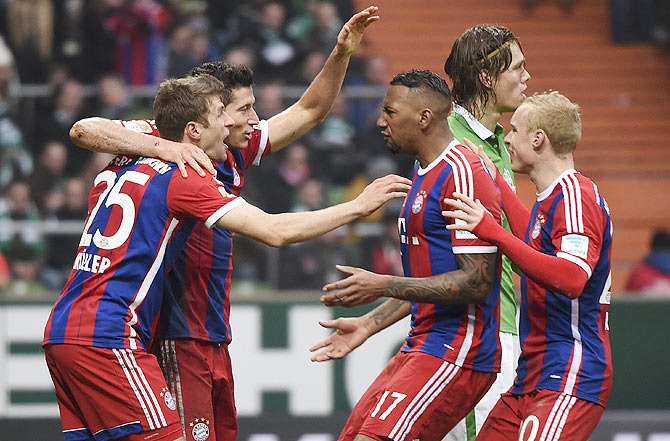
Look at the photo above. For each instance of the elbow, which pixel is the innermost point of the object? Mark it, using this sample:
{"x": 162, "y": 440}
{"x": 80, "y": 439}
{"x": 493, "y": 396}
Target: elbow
{"x": 80, "y": 130}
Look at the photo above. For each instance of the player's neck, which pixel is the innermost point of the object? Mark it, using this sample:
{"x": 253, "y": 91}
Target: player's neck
{"x": 490, "y": 116}
{"x": 431, "y": 147}
{"x": 548, "y": 169}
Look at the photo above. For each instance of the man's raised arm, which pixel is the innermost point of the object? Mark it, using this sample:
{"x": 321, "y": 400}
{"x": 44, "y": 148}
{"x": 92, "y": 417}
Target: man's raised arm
{"x": 314, "y": 105}
{"x": 106, "y": 136}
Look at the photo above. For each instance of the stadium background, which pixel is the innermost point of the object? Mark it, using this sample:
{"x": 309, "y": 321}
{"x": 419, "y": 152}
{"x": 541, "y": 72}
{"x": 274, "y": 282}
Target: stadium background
{"x": 623, "y": 89}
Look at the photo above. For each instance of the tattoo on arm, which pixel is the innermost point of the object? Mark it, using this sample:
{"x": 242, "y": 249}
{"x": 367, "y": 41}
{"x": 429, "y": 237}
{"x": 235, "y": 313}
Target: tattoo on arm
{"x": 468, "y": 284}
{"x": 386, "y": 310}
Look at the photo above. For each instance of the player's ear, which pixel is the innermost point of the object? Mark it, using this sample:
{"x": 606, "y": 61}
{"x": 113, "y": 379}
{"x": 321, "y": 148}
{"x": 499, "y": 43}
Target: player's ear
{"x": 192, "y": 130}
{"x": 538, "y": 139}
{"x": 485, "y": 78}
{"x": 425, "y": 117}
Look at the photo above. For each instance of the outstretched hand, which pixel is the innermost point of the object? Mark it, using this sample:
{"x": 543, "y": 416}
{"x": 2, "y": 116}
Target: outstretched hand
{"x": 184, "y": 153}
{"x": 350, "y": 334}
{"x": 479, "y": 150}
{"x": 352, "y": 32}
{"x": 382, "y": 190}
{"x": 359, "y": 288}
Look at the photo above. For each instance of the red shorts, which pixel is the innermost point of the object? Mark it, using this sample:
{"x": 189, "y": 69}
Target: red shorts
{"x": 541, "y": 415}
{"x": 108, "y": 393}
{"x": 200, "y": 377}
{"x": 416, "y": 396}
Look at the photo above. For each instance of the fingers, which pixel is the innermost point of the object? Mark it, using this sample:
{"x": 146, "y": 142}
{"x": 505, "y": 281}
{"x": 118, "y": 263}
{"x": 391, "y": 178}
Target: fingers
{"x": 182, "y": 168}
{"x": 471, "y": 145}
{"x": 195, "y": 166}
{"x": 322, "y": 344}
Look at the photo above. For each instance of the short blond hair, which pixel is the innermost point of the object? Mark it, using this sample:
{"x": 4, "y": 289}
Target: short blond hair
{"x": 558, "y": 117}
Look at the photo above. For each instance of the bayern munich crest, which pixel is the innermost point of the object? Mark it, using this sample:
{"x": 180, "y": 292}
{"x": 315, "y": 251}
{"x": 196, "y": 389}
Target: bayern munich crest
{"x": 538, "y": 226}
{"x": 200, "y": 429}
{"x": 169, "y": 399}
{"x": 417, "y": 205}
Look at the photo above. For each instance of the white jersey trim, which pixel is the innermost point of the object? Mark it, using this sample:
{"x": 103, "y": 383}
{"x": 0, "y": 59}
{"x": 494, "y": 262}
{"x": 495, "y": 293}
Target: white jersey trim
{"x": 147, "y": 282}
{"x": 481, "y": 249}
{"x": 428, "y": 393}
{"x": 544, "y": 194}
{"x": 480, "y": 129}
{"x": 265, "y": 135}
{"x": 574, "y": 259}
{"x": 218, "y": 214}
{"x": 443, "y": 155}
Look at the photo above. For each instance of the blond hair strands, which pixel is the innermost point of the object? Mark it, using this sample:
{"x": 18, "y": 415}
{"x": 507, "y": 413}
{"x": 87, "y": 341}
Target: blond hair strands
{"x": 558, "y": 117}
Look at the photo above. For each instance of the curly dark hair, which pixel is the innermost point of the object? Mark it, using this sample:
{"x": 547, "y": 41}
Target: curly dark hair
{"x": 483, "y": 47}
{"x": 233, "y": 76}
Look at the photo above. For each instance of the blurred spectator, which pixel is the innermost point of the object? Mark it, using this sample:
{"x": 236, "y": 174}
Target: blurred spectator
{"x": 137, "y": 29}
{"x": 285, "y": 178}
{"x": 386, "y": 253}
{"x": 47, "y": 182}
{"x": 95, "y": 164}
{"x": 275, "y": 49}
{"x": 68, "y": 105}
{"x": 632, "y": 20}
{"x": 310, "y": 67}
{"x": 17, "y": 205}
{"x": 96, "y": 47}
{"x": 270, "y": 99}
{"x": 652, "y": 275}
{"x": 24, "y": 264}
{"x": 364, "y": 111}
{"x": 115, "y": 101}
{"x": 316, "y": 27}
{"x": 305, "y": 265}
{"x": 15, "y": 158}
{"x": 5, "y": 272}
{"x": 61, "y": 248}
{"x": 189, "y": 47}
{"x": 241, "y": 55}
{"x": 30, "y": 25}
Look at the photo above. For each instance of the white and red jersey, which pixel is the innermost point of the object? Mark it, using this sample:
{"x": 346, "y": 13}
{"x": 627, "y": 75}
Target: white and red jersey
{"x": 565, "y": 342}
{"x": 467, "y": 334}
{"x": 141, "y": 212}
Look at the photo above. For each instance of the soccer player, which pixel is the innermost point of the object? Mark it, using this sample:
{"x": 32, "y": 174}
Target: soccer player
{"x": 563, "y": 248}
{"x": 451, "y": 285}
{"x": 489, "y": 75}
{"x": 142, "y": 213}
{"x": 195, "y": 315}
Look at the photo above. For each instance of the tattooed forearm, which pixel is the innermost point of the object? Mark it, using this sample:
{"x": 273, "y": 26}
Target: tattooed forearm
{"x": 469, "y": 284}
{"x": 386, "y": 314}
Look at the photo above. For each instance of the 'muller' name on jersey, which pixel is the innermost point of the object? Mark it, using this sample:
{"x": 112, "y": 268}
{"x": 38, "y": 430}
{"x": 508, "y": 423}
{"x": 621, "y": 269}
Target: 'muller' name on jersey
{"x": 91, "y": 263}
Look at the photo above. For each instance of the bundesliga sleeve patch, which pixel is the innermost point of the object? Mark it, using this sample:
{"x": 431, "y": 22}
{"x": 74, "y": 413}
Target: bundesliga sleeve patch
{"x": 575, "y": 244}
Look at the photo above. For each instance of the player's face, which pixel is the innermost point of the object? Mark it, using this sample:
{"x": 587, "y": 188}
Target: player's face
{"x": 241, "y": 109}
{"x": 397, "y": 119}
{"x": 519, "y": 141}
{"x": 511, "y": 83}
{"x": 212, "y": 137}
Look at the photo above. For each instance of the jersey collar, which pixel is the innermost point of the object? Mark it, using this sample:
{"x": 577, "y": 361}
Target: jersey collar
{"x": 474, "y": 124}
{"x": 544, "y": 194}
{"x": 422, "y": 171}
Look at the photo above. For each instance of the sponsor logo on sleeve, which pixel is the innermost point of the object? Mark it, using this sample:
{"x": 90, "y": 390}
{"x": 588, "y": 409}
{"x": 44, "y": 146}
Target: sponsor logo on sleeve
{"x": 575, "y": 244}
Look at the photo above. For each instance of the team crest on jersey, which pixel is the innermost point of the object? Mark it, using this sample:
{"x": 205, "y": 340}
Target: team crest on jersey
{"x": 200, "y": 429}
{"x": 236, "y": 178}
{"x": 417, "y": 205}
{"x": 538, "y": 226}
{"x": 169, "y": 399}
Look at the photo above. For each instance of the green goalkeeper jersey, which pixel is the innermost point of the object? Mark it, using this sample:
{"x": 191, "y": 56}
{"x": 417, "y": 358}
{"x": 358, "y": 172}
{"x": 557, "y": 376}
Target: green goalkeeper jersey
{"x": 464, "y": 125}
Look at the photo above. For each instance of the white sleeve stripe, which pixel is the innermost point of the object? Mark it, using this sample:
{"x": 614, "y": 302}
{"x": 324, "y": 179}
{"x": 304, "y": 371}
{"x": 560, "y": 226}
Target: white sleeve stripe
{"x": 463, "y": 179}
{"x": 265, "y": 135}
{"x": 468, "y": 168}
{"x": 218, "y": 214}
{"x": 475, "y": 249}
{"x": 572, "y": 208}
{"x": 578, "y": 194}
{"x": 574, "y": 259}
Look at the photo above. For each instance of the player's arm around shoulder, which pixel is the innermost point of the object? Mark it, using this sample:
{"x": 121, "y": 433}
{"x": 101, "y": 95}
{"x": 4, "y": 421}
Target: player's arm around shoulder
{"x": 130, "y": 138}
